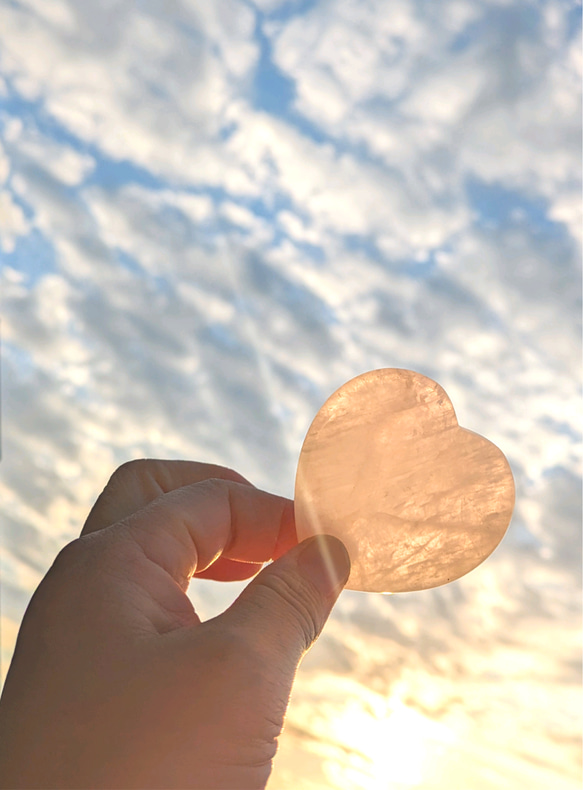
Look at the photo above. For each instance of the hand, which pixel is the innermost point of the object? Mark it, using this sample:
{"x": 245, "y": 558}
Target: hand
{"x": 116, "y": 683}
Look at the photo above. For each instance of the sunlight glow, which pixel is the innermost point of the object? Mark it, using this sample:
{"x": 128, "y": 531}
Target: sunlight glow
{"x": 393, "y": 745}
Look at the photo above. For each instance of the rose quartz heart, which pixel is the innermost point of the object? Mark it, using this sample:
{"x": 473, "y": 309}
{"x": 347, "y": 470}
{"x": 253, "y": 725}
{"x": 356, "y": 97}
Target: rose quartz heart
{"x": 417, "y": 500}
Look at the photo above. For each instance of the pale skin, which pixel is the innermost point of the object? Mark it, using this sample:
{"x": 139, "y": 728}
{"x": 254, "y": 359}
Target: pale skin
{"x": 115, "y": 681}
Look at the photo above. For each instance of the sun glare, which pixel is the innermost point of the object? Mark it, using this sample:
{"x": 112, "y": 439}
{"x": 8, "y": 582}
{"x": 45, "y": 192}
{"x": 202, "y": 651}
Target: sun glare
{"x": 392, "y": 746}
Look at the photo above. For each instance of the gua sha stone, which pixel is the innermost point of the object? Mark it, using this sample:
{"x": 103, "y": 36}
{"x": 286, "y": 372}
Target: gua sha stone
{"x": 416, "y": 499}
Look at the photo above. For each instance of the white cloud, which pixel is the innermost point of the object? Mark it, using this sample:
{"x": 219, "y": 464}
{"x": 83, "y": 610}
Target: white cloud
{"x": 272, "y": 5}
{"x": 340, "y": 193}
{"x": 184, "y": 321}
{"x": 59, "y": 14}
{"x": 13, "y": 222}
{"x": 566, "y": 208}
{"x": 297, "y": 229}
{"x": 4, "y": 166}
{"x": 30, "y": 148}
{"x": 437, "y": 116}
{"x": 242, "y": 217}
{"x": 103, "y": 82}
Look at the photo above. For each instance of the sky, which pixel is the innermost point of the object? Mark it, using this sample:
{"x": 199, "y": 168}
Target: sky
{"x": 212, "y": 215}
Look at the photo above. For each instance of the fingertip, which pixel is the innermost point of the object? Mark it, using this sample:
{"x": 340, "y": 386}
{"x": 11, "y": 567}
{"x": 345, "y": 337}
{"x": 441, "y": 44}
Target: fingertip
{"x": 287, "y": 537}
{"x": 225, "y": 570}
{"x": 326, "y": 562}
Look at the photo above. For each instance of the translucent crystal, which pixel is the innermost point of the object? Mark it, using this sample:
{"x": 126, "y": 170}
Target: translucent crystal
{"x": 417, "y": 500}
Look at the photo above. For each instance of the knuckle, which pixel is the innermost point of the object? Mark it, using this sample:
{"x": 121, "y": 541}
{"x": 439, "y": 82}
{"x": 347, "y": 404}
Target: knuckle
{"x": 70, "y": 555}
{"x": 131, "y": 469}
{"x": 51, "y": 595}
{"x": 90, "y": 555}
{"x": 214, "y": 484}
{"x": 218, "y": 490}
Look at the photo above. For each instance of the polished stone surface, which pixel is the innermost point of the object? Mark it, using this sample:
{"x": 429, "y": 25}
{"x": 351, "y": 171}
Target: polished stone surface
{"x": 417, "y": 500}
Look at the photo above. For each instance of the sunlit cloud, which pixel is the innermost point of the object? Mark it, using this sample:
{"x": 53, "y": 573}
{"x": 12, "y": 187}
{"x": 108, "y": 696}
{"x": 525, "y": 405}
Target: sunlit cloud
{"x": 212, "y": 216}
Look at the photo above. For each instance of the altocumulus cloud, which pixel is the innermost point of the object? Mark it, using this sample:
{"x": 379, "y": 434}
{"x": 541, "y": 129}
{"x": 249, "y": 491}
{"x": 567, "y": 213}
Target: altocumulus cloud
{"x": 211, "y": 216}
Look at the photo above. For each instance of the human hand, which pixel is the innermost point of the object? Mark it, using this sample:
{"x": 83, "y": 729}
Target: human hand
{"x": 116, "y": 683}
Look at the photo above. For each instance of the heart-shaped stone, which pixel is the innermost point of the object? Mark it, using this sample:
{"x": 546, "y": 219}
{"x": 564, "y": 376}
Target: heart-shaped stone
{"x": 416, "y": 499}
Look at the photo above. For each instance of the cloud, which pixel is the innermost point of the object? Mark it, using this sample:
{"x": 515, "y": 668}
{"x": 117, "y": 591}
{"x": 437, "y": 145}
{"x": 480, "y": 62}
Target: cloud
{"x": 148, "y": 89}
{"x": 190, "y": 272}
{"x": 443, "y": 94}
{"x": 12, "y": 221}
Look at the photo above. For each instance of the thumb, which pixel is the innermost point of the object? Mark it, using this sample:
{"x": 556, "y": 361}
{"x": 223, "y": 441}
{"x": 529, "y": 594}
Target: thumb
{"x": 285, "y": 607}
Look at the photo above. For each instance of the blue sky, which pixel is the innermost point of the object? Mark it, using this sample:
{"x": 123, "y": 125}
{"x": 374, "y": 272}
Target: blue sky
{"x": 213, "y": 215}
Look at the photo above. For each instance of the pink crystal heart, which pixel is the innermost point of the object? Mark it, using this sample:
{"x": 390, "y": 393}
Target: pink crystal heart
{"x": 416, "y": 499}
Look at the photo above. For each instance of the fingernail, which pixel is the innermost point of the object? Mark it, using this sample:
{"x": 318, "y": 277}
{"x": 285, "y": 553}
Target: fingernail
{"x": 325, "y": 561}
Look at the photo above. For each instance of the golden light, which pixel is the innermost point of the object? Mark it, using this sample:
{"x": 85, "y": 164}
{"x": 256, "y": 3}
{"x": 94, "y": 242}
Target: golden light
{"x": 393, "y": 746}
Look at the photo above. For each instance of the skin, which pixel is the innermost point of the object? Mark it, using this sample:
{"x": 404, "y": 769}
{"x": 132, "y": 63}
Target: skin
{"x": 115, "y": 681}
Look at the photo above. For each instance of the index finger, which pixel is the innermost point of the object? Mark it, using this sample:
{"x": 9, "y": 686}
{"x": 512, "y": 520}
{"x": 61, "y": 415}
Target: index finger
{"x": 136, "y": 483}
{"x": 186, "y": 530}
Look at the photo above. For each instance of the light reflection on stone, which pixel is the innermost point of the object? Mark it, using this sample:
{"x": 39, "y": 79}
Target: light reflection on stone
{"x": 417, "y": 500}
